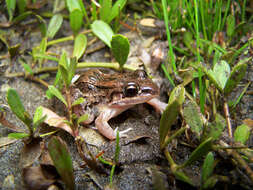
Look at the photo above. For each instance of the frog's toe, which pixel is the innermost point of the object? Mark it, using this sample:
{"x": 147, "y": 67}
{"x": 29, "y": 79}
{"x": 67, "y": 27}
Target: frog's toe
{"x": 122, "y": 134}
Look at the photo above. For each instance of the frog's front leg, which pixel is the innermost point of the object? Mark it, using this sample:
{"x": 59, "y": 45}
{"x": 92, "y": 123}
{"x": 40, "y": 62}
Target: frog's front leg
{"x": 157, "y": 104}
{"x": 102, "y": 121}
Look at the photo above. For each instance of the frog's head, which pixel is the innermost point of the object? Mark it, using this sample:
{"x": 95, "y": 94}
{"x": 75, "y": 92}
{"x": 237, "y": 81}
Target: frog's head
{"x": 136, "y": 88}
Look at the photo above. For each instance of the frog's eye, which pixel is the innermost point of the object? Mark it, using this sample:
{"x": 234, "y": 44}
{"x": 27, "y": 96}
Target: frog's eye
{"x": 141, "y": 74}
{"x": 131, "y": 89}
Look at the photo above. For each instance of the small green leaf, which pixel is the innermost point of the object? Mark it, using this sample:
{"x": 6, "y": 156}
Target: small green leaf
{"x": 105, "y": 10}
{"x": 78, "y": 101}
{"x": 215, "y": 128}
{"x": 219, "y": 74}
{"x": 117, "y": 7}
{"x": 182, "y": 177}
{"x": 82, "y": 118}
{"x": 79, "y": 46}
{"x": 236, "y": 75}
{"x": 62, "y": 161}
{"x": 21, "y": 6}
{"x": 71, "y": 69}
{"x": 117, "y": 148}
{"x": 178, "y": 93}
{"x": 11, "y": 5}
{"x": 38, "y": 114}
{"x": 208, "y": 167}
{"x": 18, "y": 135}
{"x": 120, "y": 48}
{"x": 72, "y": 5}
{"x": 242, "y": 133}
{"x": 192, "y": 116}
{"x": 54, "y": 25}
{"x": 15, "y": 104}
{"x": 169, "y": 116}
{"x": 27, "y": 68}
{"x": 230, "y": 25}
{"x": 210, "y": 182}
{"x": 57, "y": 93}
{"x": 103, "y": 31}
{"x": 63, "y": 67}
{"x": 76, "y": 20}
{"x": 42, "y": 25}
{"x": 200, "y": 151}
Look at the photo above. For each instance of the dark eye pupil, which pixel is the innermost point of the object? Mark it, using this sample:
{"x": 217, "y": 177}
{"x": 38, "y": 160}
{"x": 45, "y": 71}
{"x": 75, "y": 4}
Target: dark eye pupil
{"x": 131, "y": 90}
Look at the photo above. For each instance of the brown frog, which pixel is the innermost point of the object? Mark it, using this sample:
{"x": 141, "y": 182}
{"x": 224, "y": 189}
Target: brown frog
{"x": 108, "y": 95}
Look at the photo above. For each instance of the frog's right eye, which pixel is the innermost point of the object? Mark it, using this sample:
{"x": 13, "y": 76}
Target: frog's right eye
{"x": 131, "y": 89}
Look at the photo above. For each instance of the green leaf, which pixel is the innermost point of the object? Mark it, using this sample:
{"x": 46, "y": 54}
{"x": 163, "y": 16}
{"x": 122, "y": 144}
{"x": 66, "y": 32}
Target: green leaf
{"x": 76, "y": 20}
{"x": 71, "y": 69}
{"x": 178, "y": 93}
{"x": 79, "y": 46}
{"x": 117, "y": 148}
{"x": 210, "y": 182}
{"x": 168, "y": 118}
{"x": 242, "y": 133}
{"x": 62, "y": 161}
{"x": 27, "y": 68}
{"x": 182, "y": 177}
{"x": 200, "y": 151}
{"x": 120, "y": 48}
{"x": 15, "y": 104}
{"x": 63, "y": 67}
{"x": 18, "y": 135}
{"x": 57, "y": 93}
{"x": 117, "y": 7}
{"x": 21, "y": 6}
{"x": 192, "y": 116}
{"x": 230, "y": 25}
{"x": 38, "y": 114}
{"x": 11, "y": 5}
{"x": 78, "y": 101}
{"x": 54, "y": 25}
{"x": 215, "y": 128}
{"x": 103, "y": 31}
{"x": 72, "y": 5}
{"x": 105, "y": 10}
{"x": 42, "y": 25}
{"x": 207, "y": 168}
{"x": 219, "y": 74}
{"x": 82, "y": 118}
{"x": 236, "y": 76}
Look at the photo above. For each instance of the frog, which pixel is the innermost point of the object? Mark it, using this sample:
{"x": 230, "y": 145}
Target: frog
{"x": 108, "y": 95}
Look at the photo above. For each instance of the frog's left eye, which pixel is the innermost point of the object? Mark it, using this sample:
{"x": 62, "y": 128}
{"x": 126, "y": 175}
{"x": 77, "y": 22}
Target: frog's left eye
{"x": 131, "y": 89}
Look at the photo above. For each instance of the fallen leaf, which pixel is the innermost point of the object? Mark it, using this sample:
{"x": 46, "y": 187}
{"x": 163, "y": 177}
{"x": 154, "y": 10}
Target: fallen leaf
{"x": 55, "y": 120}
{"x": 35, "y": 179}
{"x": 30, "y": 153}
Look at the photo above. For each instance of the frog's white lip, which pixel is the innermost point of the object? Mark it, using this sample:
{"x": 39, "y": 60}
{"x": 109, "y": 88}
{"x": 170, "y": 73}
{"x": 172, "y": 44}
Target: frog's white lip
{"x": 131, "y": 101}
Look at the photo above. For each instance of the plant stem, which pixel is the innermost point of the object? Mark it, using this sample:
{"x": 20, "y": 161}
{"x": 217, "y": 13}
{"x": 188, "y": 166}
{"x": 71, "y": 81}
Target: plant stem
{"x": 114, "y": 66}
{"x": 226, "y": 111}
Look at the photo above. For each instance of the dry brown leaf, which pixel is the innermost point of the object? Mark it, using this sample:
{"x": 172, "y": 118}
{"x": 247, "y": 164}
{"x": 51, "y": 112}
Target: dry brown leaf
{"x": 55, "y": 120}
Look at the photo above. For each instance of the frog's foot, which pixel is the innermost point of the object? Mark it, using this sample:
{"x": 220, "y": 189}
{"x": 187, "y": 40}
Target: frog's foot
{"x": 102, "y": 121}
{"x": 122, "y": 134}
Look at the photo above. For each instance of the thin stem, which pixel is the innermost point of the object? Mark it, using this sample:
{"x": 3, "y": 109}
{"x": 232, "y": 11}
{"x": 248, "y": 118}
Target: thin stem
{"x": 226, "y": 111}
